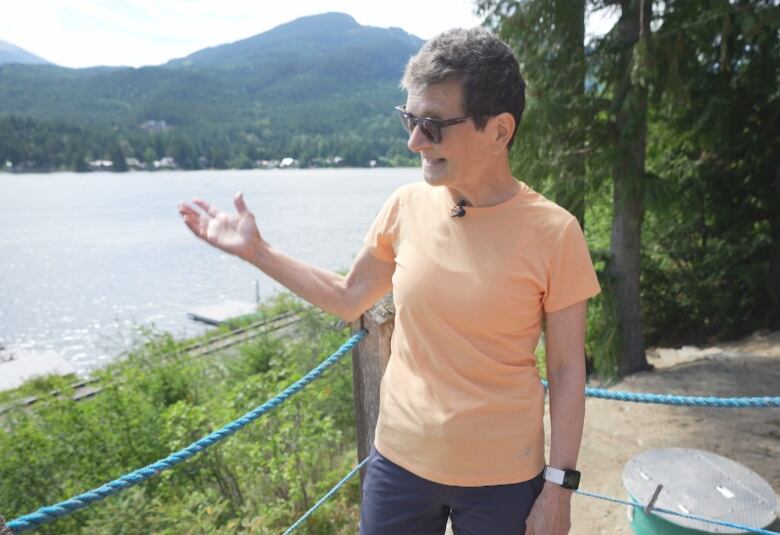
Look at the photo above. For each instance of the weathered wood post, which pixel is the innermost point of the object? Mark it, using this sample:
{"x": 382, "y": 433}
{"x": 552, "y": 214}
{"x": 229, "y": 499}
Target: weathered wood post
{"x": 369, "y": 360}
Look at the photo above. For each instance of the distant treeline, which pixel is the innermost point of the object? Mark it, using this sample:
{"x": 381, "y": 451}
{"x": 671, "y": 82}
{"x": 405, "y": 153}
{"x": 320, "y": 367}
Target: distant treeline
{"x": 33, "y": 145}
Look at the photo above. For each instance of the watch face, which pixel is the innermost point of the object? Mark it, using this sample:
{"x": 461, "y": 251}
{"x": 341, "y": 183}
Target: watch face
{"x": 571, "y": 479}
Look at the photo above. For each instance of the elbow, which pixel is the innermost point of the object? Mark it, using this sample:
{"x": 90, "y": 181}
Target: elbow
{"x": 348, "y": 312}
{"x": 348, "y": 317}
{"x": 352, "y": 306}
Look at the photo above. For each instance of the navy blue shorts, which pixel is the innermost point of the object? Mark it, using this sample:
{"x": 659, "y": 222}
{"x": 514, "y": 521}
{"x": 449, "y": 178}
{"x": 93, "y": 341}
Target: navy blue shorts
{"x": 395, "y": 502}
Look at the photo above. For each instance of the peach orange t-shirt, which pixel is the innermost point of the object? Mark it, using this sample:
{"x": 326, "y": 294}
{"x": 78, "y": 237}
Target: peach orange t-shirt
{"x": 461, "y": 402}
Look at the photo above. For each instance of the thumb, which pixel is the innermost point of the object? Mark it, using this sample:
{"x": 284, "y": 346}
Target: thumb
{"x": 240, "y": 205}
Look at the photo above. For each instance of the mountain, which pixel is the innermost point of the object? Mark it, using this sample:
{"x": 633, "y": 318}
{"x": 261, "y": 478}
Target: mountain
{"x": 306, "y": 88}
{"x": 311, "y": 58}
{"x": 330, "y": 46}
{"x": 13, "y": 54}
{"x": 305, "y": 38}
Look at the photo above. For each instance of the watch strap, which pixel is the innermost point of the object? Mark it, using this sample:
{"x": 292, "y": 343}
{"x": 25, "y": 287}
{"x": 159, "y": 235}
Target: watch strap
{"x": 568, "y": 479}
{"x": 554, "y": 475}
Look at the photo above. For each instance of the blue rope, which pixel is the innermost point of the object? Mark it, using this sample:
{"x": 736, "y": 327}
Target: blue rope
{"x": 671, "y": 399}
{"x": 675, "y": 513}
{"x": 47, "y": 514}
{"x": 725, "y": 523}
{"x": 322, "y": 500}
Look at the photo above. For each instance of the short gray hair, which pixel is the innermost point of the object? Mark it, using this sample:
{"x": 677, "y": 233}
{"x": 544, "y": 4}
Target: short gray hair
{"x": 482, "y": 63}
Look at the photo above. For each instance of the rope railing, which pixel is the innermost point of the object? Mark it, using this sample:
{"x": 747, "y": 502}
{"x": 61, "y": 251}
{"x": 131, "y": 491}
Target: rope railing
{"x": 325, "y": 497}
{"x": 672, "y": 399}
{"x": 48, "y": 514}
{"x": 634, "y": 504}
{"x": 662, "y": 510}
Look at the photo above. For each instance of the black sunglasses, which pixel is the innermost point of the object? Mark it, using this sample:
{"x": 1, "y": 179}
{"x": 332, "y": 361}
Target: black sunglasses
{"x": 431, "y": 128}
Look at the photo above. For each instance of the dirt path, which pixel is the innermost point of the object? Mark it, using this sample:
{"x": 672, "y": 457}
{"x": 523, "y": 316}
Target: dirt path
{"x": 616, "y": 431}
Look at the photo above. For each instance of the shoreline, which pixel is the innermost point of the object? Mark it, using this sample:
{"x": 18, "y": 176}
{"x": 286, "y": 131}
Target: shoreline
{"x": 180, "y": 170}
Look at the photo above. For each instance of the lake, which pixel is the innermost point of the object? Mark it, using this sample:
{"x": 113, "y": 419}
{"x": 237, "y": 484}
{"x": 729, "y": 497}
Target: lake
{"x": 86, "y": 257}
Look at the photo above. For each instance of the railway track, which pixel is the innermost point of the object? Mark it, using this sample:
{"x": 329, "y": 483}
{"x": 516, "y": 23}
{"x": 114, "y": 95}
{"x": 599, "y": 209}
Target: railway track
{"x": 90, "y": 387}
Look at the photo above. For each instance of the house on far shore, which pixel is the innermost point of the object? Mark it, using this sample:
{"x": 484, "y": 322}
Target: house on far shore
{"x": 166, "y": 162}
{"x": 101, "y": 165}
{"x": 135, "y": 164}
{"x": 267, "y": 164}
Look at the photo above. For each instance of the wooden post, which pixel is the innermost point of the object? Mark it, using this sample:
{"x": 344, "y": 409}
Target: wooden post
{"x": 369, "y": 360}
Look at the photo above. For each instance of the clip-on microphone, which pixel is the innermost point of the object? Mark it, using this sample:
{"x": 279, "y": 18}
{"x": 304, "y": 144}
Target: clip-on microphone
{"x": 458, "y": 210}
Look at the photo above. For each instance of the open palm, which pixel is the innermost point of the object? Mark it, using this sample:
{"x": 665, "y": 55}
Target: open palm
{"x": 235, "y": 233}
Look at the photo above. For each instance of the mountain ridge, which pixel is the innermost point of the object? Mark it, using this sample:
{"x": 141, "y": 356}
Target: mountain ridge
{"x": 301, "y": 59}
{"x": 12, "y": 54}
{"x": 316, "y": 86}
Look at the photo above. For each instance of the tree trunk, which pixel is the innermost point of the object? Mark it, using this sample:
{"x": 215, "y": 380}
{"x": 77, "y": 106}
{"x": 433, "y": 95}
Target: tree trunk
{"x": 630, "y": 108}
{"x": 774, "y": 259}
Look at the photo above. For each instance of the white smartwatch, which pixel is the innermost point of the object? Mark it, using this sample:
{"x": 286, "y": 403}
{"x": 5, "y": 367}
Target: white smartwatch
{"x": 566, "y": 478}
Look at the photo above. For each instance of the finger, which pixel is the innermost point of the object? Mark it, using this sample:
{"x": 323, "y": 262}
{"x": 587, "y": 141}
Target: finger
{"x": 188, "y": 214}
{"x": 196, "y": 224}
{"x": 240, "y": 204}
{"x": 210, "y": 210}
{"x": 192, "y": 218}
{"x": 186, "y": 210}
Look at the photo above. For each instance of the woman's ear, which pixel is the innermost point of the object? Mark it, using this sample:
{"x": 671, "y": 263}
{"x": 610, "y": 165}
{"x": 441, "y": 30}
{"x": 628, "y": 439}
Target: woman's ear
{"x": 504, "y": 128}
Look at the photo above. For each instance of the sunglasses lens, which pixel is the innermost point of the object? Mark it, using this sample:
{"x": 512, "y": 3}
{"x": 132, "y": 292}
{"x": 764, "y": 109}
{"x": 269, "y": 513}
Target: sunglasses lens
{"x": 431, "y": 130}
{"x": 406, "y": 121}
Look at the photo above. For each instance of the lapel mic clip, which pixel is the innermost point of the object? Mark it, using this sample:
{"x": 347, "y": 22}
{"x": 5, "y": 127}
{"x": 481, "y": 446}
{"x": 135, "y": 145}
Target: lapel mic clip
{"x": 458, "y": 210}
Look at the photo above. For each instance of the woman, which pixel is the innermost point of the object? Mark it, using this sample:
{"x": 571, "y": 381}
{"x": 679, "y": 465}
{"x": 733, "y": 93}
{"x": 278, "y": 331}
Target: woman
{"x": 477, "y": 261}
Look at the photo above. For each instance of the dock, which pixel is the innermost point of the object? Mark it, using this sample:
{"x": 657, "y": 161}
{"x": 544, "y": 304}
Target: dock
{"x": 20, "y": 365}
{"x": 222, "y": 312}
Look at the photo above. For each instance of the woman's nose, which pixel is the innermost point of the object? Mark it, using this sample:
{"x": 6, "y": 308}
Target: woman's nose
{"x": 417, "y": 140}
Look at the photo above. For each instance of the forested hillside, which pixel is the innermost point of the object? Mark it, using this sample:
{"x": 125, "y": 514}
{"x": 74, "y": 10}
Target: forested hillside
{"x": 313, "y": 89}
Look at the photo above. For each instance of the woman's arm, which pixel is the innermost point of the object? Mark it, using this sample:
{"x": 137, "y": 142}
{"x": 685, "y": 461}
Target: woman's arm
{"x": 348, "y": 297}
{"x": 237, "y": 234}
{"x": 565, "y": 338}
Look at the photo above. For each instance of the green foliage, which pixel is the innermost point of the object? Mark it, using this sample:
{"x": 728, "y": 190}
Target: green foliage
{"x": 119, "y": 164}
{"x": 603, "y": 341}
{"x": 711, "y": 191}
{"x": 550, "y": 146}
{"x": 707, "y": 267}
{"x": 42, "y": 385}
{"x": 158, "y": 400}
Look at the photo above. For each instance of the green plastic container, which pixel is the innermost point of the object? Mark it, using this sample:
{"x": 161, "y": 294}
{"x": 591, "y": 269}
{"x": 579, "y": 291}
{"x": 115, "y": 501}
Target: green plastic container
{"x": 698, "y": 483}
{"x": 644, "y": 524}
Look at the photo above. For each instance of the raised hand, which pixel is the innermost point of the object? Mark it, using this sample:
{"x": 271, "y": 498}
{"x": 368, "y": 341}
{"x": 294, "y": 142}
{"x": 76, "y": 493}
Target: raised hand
{"x": 235, "y": 233}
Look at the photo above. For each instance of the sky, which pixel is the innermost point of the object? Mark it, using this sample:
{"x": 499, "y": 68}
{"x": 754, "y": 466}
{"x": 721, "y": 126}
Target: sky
{"x": 85, "y": 33}
{"x": 81, "y": 33}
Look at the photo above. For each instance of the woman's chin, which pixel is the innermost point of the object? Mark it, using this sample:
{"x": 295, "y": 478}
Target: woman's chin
{"x": 435, "y": 173}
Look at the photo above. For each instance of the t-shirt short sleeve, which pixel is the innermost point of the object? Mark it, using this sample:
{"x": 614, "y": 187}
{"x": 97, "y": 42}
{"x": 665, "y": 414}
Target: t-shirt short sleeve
{"x": 380, "y": 238}
{"x": 571, "y": 277}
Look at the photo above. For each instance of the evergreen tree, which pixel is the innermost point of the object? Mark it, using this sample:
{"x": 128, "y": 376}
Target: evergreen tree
{"x": 119, "y": 164}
